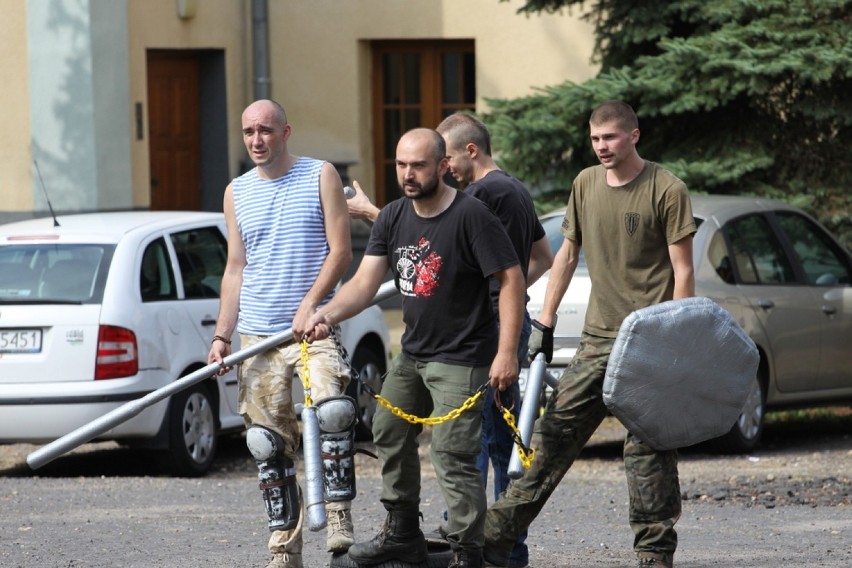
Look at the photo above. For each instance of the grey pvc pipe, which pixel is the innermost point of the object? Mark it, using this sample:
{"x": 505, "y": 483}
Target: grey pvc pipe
{"x": 529, "y": 412}
{"x": 125, "y": 412}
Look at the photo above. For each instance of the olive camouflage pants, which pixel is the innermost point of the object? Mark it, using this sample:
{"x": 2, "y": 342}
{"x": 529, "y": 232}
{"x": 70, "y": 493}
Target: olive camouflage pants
{"x": 572, "y": 415}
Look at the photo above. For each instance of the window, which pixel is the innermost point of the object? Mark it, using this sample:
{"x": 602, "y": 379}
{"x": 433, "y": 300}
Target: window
{"x": 717, "y": 254}
{"x": 156, "y": 279}
{"x": 416, "y": 84}
{"x": 816, "y": 252}
{"x": 59, "y": 273}
{"x": 758, "y": 254}
{"x": 201, "y": 256}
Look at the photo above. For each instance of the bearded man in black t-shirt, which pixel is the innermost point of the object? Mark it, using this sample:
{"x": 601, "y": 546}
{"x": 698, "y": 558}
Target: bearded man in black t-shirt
{"x": 442, "y": 246}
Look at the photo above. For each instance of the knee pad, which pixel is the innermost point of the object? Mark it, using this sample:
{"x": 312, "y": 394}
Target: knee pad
{"x": 338, "y": 416}
{"x": 276, "y": 476}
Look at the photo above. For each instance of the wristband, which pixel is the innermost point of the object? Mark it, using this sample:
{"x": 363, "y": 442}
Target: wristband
{"x": 220, "y": 338}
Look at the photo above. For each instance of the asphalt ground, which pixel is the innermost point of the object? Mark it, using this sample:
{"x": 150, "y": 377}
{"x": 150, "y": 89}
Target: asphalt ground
{"x": 789, "y": 504}
{"x": 105, "y": 506}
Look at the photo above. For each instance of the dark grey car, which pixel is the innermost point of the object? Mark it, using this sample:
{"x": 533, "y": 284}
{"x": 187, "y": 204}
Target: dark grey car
{"x": 786, "y": 280}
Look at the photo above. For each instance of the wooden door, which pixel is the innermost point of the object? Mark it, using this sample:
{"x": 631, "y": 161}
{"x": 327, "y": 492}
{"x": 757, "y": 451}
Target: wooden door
{"x": 174, "y": 130}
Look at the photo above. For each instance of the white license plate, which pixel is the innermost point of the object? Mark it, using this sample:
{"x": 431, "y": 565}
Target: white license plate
{"x": 20, "y": 341}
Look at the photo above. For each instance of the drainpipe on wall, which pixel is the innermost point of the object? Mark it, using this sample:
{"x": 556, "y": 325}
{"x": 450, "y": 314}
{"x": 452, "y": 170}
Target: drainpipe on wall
{"x": 260, "y": 41}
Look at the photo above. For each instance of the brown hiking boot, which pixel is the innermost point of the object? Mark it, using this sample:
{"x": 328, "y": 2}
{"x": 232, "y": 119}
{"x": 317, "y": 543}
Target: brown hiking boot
{"x": 339, "y": 535}
{"x": 285, "y": 560}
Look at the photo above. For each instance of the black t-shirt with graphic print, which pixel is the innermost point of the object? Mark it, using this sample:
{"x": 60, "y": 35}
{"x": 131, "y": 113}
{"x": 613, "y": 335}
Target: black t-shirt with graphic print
{"x": 441, "y": 267}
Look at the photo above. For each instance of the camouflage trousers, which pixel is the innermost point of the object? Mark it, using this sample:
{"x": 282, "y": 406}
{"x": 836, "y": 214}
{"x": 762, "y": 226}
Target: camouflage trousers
{"x": 266, "y": 399}
{"x": 573, "y": 413}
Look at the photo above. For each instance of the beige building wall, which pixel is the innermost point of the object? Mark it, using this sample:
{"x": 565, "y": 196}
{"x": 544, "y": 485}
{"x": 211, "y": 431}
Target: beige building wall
{"x": 321, "y": 60}
{"x": 319, "y": 55}
{"x": 16, "y": 167}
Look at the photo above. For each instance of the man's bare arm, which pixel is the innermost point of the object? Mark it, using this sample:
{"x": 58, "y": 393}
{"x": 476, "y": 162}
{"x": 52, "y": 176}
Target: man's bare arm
{"x": 564, "y": 264}
{"x": 680, "y": 254}
{"x": 541, "y": 259}
{"x": 360, "y": 206}
{"x": 504, "y": 369}
{"x": 355, "y": 295}
{"x": 232, "y": 281}
{"x": 337, "y": 233}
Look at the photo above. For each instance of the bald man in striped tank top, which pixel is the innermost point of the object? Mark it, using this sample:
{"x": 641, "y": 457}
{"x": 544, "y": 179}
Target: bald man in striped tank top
{"x": 288, "y": 247}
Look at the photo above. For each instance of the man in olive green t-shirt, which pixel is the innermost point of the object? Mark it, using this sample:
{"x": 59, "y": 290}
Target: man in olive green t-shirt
{"x": 634, "y": 220}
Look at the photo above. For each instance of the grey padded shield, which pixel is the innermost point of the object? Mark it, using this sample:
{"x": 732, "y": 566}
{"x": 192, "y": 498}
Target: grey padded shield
{"x": 679, "y": 372}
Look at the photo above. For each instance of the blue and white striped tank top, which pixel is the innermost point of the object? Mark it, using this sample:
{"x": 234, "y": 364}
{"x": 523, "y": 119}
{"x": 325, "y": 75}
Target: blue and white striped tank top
{"x": 281, "y": 223}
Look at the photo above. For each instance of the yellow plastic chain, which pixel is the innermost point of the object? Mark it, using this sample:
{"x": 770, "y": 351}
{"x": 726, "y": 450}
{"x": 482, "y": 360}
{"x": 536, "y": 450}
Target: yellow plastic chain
{"x": 527, "y": 455}
{"x": 431, "y": 420}
{"x": 306, "y": 373}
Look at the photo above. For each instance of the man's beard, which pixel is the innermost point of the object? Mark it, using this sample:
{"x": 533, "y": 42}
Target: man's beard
{"x": 426, "y": 191}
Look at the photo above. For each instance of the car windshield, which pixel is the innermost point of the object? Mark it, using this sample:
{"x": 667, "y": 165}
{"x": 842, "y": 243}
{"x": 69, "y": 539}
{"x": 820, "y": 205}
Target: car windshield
{"x": 552, "y": 227}
{"x": 53, "y": 273}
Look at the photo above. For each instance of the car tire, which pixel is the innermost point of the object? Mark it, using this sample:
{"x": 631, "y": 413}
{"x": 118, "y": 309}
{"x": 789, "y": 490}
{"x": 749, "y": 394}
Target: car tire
{"x": 745, "y": 434}
{"x": 371, "y": 370}
{"x": 192, "y": 432}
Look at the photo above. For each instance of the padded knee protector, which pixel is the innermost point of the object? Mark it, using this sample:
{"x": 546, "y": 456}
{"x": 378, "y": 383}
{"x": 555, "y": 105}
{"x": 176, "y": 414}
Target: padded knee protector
{"x": 277, "y": 477}
{"x": 338, "y": 416}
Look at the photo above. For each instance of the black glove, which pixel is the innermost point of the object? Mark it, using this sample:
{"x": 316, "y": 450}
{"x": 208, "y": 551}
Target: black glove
{"x": 541, "y": 341}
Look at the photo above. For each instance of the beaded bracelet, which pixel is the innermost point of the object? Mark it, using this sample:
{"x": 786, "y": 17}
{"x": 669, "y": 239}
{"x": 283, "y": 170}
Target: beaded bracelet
{"x": 220, "y": 338}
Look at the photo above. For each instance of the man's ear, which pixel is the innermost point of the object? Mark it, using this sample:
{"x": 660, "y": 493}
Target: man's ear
{"x": 634, "y": 136}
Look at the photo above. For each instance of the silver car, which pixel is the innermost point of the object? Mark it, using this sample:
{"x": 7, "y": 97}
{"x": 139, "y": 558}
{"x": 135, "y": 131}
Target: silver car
{"x": 106, "y": 307}
{"x": 784, "y": 278}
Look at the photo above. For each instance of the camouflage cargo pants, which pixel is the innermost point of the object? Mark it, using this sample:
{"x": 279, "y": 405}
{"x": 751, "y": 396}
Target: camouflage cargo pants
{"x": 266, "y": 399}
{"x": 572, "y": 415}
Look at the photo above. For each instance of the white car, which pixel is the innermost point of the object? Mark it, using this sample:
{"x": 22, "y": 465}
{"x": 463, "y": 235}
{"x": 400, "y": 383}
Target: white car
{"x": 103, "y": 308}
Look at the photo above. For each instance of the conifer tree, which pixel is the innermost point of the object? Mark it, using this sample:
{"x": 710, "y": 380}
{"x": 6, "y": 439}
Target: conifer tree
{"x": 734, "y": 96}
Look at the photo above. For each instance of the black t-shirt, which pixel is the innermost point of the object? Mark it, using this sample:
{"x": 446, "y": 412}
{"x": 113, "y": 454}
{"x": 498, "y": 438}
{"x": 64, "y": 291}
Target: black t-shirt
{"x": 441, "y": 267}
{"x": 510, "y": 200}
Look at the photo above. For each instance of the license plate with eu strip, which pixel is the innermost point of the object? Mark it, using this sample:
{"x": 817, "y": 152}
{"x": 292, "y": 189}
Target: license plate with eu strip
{"x": 20, "y": 341}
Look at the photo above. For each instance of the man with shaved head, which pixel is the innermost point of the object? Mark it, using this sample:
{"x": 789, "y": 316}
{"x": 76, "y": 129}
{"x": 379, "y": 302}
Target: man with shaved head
{"x": 442, "y": 247}
{"x": 288, "y": 247}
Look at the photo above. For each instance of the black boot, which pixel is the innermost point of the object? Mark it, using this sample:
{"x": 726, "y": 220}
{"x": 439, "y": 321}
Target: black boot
{"x": 399, "y": 539}
{"x": 466, "y": 558}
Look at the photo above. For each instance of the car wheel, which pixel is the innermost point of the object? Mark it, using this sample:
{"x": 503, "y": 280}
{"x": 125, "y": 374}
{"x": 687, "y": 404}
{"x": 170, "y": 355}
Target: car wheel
{"x": 745, "y": 434}
{"x": 371, "y": 369}
{"x": 192, "y": 432}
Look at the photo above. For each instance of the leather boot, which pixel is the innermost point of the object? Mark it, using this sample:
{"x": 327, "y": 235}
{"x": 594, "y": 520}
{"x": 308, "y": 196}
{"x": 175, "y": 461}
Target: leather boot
{"x": 399, "y": 539}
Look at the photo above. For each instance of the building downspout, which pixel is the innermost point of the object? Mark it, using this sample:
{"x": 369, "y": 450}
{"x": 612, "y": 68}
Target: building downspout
{"x": 260, "y": 43}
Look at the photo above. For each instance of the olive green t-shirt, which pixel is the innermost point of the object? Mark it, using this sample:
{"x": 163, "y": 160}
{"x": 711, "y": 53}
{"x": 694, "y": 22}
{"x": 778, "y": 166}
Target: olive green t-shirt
{"x": 625, "y": 233}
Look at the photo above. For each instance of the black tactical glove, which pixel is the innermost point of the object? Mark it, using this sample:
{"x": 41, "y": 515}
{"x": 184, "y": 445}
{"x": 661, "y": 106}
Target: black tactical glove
{"x": 541, "y": 341}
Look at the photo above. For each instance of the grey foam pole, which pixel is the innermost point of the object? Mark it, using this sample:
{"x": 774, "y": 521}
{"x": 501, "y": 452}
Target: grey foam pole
{"x": 125, "y": 412}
